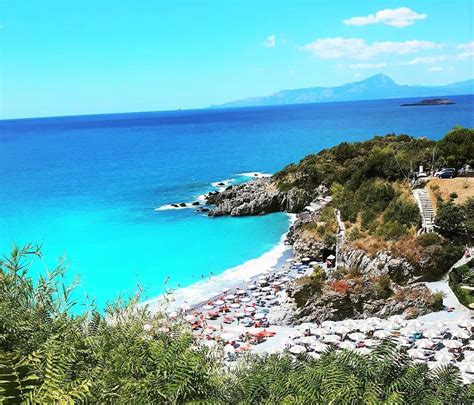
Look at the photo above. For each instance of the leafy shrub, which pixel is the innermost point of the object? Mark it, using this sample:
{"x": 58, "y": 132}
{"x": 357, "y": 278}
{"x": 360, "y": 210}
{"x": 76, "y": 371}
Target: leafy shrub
{"x": 403, "y": 212}
{"x": 453, "y": 195}
{"x": 429, "y": 239}
{"x": 329, "y": 239}
{"x": 451, "y": 219}
{"x": 392, "y": 230}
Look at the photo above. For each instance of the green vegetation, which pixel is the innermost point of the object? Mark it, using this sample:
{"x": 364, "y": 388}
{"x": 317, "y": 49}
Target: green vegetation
{"x": 48, "y": 355}
{"x": 463, "y": 276}
{"x": 456, "y": 220}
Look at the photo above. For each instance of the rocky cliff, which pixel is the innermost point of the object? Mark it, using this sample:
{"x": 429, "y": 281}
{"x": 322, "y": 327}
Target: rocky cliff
{"x": 258, "y": 197}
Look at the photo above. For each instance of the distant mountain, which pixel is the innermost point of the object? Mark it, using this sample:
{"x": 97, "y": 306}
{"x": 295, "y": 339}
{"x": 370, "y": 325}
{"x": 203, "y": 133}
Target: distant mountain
{"x": 379, "y": 86}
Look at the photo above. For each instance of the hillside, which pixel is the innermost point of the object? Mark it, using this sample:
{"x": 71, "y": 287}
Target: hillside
{"x": 379, "y": 86}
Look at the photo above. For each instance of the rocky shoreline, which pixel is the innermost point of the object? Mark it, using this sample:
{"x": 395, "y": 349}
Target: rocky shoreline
{"x": 394, "y": 277}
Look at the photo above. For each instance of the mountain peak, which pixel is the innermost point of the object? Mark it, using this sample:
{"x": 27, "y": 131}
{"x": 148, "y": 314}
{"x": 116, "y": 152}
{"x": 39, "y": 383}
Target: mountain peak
{"x": 379, "y": 79}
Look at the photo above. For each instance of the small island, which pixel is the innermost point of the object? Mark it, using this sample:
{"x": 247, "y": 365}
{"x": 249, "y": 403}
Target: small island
{"x": 430, "y": 101}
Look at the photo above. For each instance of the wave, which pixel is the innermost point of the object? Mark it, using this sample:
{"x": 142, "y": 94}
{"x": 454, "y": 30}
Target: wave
{"x": 255, "y": 175}
{"x": 220, "y": 186}
{"x": 167, "y": 207}
{"x": 205, "y": 289}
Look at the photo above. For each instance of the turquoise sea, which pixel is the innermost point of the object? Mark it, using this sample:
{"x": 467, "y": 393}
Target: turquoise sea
{"x": 87, "y": 187}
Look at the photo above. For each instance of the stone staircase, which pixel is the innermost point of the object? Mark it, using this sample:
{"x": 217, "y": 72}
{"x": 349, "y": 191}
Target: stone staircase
{"x": 426, "y": 209}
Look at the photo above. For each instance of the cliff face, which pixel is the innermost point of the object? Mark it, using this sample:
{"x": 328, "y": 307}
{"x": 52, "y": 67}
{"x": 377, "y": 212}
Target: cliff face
{"x": 258, "y": 197}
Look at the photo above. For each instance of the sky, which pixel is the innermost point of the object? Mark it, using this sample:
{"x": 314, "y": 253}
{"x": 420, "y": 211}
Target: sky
{"x": 89, "y": 57}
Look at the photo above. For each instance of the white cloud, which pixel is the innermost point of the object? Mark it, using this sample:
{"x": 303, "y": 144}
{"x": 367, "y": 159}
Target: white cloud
{"x": 270, "y": 41}
{"x": 367, "y": 65}
{"x": 435, "y": 69}
{"x": 399, "y": 17}
{"x": 358, "y": 48}
{"x": 467, "y": 50}
{"x": 425, "y": 60}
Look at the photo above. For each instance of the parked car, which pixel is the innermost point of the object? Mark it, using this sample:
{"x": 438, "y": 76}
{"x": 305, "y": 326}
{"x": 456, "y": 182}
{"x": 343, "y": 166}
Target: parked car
{"x": 446, "y": 173}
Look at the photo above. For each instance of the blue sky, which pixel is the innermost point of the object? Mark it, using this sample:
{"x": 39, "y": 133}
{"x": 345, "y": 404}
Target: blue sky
{"x": 89, "y": 57}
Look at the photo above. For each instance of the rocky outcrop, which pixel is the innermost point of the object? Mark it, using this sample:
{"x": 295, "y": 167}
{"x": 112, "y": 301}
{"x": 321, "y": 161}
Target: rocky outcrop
{"x": 303, "y": 302}
{"x": 399, "y": 268}
{"x": 258, "y": 197}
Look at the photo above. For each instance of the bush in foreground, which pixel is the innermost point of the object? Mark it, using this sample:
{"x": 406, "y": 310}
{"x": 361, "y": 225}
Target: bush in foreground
{"x": 48, "y": 355}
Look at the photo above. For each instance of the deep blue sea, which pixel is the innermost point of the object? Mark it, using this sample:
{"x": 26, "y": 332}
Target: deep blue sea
{"x": 87, "y": 187}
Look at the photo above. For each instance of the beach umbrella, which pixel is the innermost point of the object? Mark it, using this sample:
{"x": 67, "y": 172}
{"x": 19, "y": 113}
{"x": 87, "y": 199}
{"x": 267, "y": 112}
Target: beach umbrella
{"x": 331, "y": 257}
{"x": 313, "y": 263}
{"x": 366, "y": 327}
{"x": 285, "y": 279}
{"x": 397, "y": 319}
{"x": 452, "y": 344}
{"x": 296, "y": 334}
{"x": 226, "y": 289}
{"x": 219, "y": 302}
{"x": 230, "y": 297}
{"x": 371, "y": 342}
{"x": 289, "y": 260}
{"x": 241, "y": 292}
{"x": 381, "y": 334}
{"x": 416, "y": 354}
{"x": 260, "y": 315}
{"x": 461, "y": 334}
{"x": 441, "y": 325}
{"x": 251, "y": 286}
{"x": 424, "y": 343}
{"x": 418, "y": 325}
{"x": 469, "y": 357}
{"x": 331, "y": 338}
{"x": 266, "y": 289}
{"x": 256, "y": 294}
{"x": 270, "y": 297}
{"x": 246, "y": 299}
{"x": 351, "y": 324}
{"x": 347, "y": 345}
{"x": 234, "y": 305}
{"x": 356, "y": 336}
{"x": 432, "y": 333}
{"x": 319, "y": 347}
{"x": 261, "y": 282}
{"x": 277, "y": 283}
{"x": 189, "y": 318}
{"x": 207, "y": 307}
{"x": 466, "y": 367}
{"x": 249, "y": 309}
{"x": 185, "y": 307}
{"x": 363, "y": 350}
{"x": 341, "y": 329}
{"x": 304, "y": 326}
{"x": 297, "y": 349}
{"x": 319, "y": 331}
{"x": 305, "y": 259}
{"x": 390, "y": 325}
{"x": 298, "y": 264}
{"x": 308, "y": 340}
{"x": 372, "y": 321}
{"x": 239, "y": 315}
{"x": 262, "y": 277}
{"x": 444, "y": 357}
{"x": 314, "y": 355}
{"x": 407, "y": 331}
{"x": 229, "y": 349}
{"x": 466, "y": 323}
{"x": 328, "y": 324}
{"x": 467, "y": 379}
{"x": 227, "y": 336}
